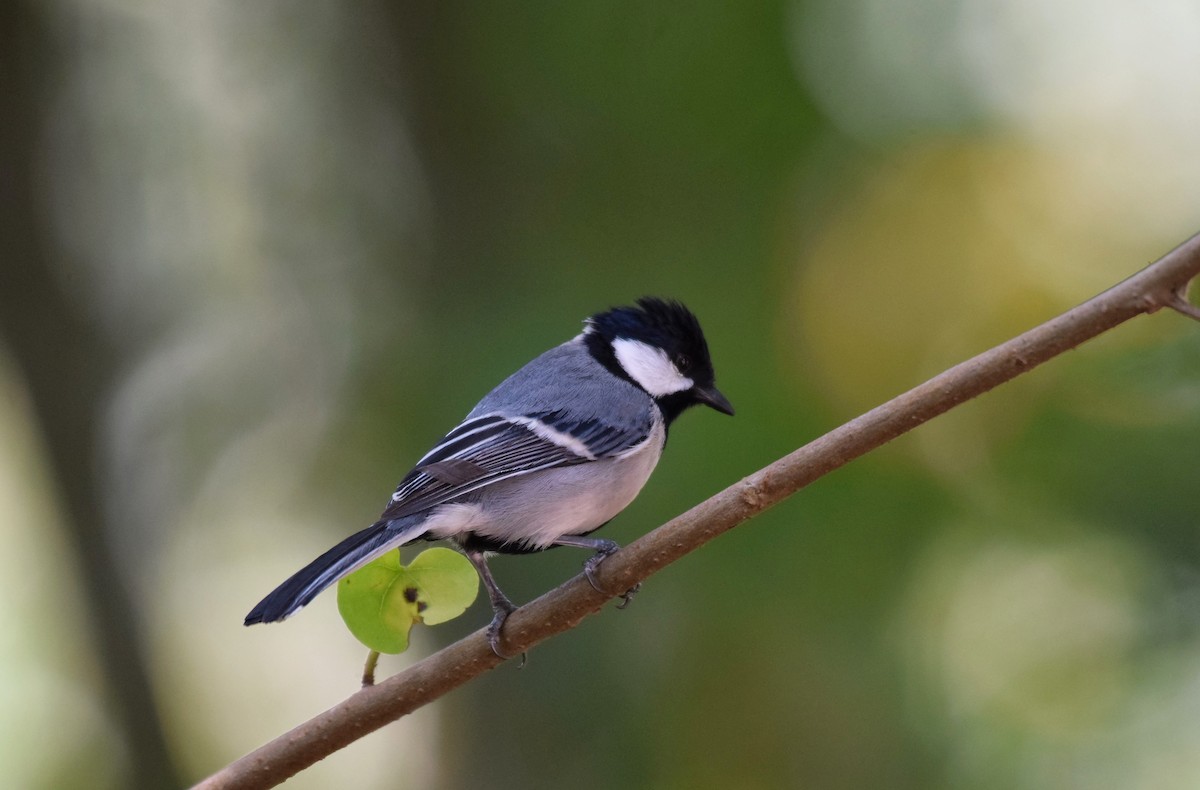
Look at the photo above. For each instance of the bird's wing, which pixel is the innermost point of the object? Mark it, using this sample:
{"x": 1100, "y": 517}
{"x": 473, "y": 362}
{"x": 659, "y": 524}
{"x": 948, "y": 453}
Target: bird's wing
{"x": 494, "y": 447}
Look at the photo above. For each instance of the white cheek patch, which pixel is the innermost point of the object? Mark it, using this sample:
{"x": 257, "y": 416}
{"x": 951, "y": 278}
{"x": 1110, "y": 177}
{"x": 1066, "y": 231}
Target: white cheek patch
{"x": 650, "y": 367}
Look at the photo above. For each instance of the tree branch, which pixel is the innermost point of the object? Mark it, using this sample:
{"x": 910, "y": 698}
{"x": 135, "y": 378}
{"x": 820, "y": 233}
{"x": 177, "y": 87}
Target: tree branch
{"x": 1158, "y": 285}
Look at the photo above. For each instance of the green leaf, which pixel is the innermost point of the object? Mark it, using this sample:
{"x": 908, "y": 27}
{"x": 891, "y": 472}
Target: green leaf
{"x": 381, "y": 600}
{"x": 446, "y": 582}
{"x": 372, "y": 604}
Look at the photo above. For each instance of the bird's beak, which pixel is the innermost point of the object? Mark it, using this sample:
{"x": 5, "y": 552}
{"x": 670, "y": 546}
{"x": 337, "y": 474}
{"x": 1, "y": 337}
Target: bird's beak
{"x": 710, "y": 396}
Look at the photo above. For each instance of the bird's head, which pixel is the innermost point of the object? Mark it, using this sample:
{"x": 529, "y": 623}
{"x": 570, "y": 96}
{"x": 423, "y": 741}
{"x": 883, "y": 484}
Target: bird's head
{"x": 657, "y": 345}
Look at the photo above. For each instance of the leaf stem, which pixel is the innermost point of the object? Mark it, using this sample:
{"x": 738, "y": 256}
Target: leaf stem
{"x": 368, "y": 676}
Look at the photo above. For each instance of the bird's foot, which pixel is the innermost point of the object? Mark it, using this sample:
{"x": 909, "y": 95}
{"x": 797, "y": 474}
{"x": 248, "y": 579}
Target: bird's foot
{"x": 627, "y": 596}
{"x": 606, "y": 549}
{"x": 502, "y": 608}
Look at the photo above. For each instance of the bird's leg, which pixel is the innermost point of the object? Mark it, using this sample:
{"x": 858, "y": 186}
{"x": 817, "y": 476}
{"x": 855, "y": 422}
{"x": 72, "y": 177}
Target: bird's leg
{"x": 501, "y": 606}
{"x": 603, "y": 548}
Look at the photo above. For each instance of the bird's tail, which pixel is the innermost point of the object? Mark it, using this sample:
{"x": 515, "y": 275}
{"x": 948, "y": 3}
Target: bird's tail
{"x": 356, "y": 550}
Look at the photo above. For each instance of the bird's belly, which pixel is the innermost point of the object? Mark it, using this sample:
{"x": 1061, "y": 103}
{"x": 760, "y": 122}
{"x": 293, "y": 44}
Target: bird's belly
{"x": 534, "y": 510}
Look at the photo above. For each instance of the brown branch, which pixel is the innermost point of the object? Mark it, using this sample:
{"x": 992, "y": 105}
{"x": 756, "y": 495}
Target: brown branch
{"x": 1155, "y": 287}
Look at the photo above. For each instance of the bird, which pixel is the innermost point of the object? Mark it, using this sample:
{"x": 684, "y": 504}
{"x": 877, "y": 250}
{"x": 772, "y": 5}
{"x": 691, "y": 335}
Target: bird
{"x": 550, "y": 455}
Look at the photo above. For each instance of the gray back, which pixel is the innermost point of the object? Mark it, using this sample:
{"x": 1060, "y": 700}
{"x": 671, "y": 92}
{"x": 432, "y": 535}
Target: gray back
{"x": 567, "y": 378}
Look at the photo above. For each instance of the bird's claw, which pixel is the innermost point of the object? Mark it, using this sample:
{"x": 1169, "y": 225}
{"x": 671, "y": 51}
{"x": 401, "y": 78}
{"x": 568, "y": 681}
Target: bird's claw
{"x": 593, "y": 562}
{"x": 503, "y": 609}
{"x": 627, "y": 596}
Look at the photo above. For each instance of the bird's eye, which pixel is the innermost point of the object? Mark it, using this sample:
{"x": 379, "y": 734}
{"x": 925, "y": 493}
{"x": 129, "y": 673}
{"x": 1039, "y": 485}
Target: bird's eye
{"x": 683, "y": 362}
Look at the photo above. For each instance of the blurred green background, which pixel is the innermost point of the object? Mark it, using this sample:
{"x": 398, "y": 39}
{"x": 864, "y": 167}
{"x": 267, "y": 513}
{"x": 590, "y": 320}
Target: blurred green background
{"x": 256, "y": 257}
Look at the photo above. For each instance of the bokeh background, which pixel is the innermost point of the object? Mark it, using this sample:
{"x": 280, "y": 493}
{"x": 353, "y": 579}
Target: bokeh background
{"x": 256, "y": 257}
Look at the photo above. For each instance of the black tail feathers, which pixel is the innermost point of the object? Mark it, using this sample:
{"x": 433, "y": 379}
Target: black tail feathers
{"x": 310, "y": 580}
